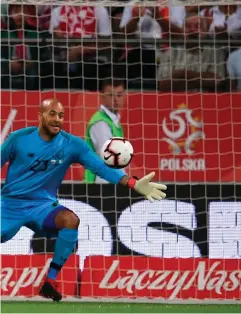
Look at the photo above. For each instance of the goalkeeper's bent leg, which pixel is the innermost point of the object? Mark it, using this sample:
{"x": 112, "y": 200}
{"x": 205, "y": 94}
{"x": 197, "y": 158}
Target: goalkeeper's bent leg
{"x": 67, "y": 223}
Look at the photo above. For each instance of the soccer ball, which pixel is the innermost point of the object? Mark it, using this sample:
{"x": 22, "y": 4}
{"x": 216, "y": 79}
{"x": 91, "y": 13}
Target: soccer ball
{"x": 117, "y": 152}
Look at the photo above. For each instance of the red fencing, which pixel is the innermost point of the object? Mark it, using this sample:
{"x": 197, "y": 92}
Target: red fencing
{"x": 183, "y": 137}
{"x": 150, "y": 277}
{"x": 126, "y": 277}
{"x": 22, "y": 275}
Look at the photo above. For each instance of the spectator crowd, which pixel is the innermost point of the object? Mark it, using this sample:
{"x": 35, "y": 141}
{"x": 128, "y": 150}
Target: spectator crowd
{"x": 38, "y": 50}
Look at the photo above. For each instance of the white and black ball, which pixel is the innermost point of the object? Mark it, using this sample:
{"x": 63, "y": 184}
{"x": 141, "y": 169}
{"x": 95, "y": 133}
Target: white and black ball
{"x": 117, "y": 152}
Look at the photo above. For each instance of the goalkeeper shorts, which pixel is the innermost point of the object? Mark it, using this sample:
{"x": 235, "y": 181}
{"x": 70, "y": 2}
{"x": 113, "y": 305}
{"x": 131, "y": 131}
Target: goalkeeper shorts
{"x": 32, "y": 215}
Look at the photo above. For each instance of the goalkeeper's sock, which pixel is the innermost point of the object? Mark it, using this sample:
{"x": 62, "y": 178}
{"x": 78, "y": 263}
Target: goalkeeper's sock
{"x": 64, "y": 246}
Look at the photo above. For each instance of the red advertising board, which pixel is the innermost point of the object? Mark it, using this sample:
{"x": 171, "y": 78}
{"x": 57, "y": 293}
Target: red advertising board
{"x": 22, "y": 275}
{"x": 150, "y": 277}
{"x": 183, "y": 137}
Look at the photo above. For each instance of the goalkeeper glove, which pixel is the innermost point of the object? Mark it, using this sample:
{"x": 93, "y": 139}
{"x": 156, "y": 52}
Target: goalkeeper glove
{"x": 152, "y": 191}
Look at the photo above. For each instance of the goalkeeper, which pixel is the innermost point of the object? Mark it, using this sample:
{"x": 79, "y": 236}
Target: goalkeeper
{"x": 38, "y": 160}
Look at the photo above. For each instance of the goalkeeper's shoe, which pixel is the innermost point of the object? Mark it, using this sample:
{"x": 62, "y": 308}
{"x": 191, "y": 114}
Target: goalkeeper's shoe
{"x": 49, "y": 290}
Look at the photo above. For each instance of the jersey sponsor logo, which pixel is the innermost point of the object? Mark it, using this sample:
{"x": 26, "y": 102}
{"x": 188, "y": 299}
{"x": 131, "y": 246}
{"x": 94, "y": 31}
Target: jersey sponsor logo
{"x": 182, "y": 132}
{"x": 42, "y": 165}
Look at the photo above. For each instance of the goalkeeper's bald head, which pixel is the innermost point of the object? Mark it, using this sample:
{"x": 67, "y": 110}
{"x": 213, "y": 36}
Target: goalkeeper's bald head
{"x": 50, "y": 103}
{"x": 51, "y": 117}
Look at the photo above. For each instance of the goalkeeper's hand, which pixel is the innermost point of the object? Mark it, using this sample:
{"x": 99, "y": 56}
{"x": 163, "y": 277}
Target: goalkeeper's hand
{"x": 152, "y": 191}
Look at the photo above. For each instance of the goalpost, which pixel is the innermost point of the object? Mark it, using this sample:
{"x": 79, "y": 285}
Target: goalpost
{"x": 184, "y": 126}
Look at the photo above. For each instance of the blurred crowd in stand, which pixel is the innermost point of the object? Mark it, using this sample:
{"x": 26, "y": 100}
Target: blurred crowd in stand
{"x": 49, "y": 61}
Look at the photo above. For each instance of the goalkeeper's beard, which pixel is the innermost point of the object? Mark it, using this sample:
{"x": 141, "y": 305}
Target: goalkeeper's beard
{"x": 50, "y": 130}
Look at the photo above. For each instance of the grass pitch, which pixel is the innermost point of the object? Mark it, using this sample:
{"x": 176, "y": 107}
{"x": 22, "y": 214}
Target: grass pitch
{"x": 79, "y": 307}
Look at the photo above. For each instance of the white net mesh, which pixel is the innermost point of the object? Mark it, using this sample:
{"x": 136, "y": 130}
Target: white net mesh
{"x": 180, "y": 62}
{"x": 111, "y": 3}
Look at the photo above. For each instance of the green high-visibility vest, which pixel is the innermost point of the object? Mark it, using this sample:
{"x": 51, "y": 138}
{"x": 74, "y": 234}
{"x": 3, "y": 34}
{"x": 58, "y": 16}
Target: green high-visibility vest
{"x": 116, "y": 132}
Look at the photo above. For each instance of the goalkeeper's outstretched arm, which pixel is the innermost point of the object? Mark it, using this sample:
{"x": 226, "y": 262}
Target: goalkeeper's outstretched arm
{"x": 90, "y": 160}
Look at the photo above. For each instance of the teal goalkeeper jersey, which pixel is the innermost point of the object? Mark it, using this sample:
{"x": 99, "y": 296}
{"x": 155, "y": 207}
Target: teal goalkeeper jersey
{"x": 37, "y": 167}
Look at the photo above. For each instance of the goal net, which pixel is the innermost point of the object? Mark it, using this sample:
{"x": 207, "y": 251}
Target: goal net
{"x": 180, "y": 64}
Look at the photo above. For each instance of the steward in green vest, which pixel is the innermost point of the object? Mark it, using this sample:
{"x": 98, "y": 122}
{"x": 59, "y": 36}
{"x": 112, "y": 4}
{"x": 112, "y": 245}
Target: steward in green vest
{"x": 116, "y": 132}
{"x": 113, "y": 98}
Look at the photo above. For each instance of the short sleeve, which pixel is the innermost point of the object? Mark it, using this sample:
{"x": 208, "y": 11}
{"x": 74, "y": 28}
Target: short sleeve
{"x": 178, "y": 15}
{"x": 234, "y": 23}
{"x": 127, "y": 16}
{"x": 219, "y": 20}
{"x": 55, "y": 19}
{"x": 103, "y": 21}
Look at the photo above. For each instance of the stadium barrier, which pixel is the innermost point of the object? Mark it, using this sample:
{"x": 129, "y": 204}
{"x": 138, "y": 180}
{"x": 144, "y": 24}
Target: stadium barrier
{"x": 182, "y": 137}
{"x": 187, "y": 246}
{"x": 161, "y": 278}
{"x": 22, "y": 275}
